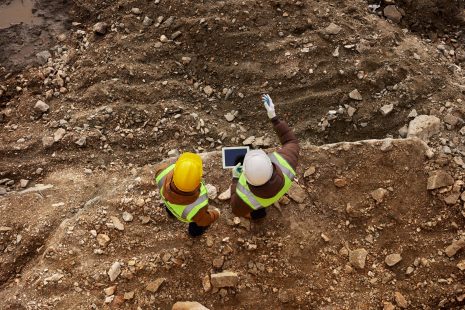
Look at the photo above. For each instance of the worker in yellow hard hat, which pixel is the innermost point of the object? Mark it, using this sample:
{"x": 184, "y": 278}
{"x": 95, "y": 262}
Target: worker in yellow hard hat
{"x": 184, "y": 194}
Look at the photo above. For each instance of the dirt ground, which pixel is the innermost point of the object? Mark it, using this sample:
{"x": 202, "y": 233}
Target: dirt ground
{"x": 128, "y": 84}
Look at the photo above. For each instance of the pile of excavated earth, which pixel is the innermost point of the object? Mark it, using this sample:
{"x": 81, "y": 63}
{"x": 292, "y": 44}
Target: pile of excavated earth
{"x": 374, "y": 219}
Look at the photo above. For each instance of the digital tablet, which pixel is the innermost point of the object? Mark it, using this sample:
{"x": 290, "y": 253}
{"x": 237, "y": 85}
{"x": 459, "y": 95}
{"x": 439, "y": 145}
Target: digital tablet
{"x": 233, "y": 155}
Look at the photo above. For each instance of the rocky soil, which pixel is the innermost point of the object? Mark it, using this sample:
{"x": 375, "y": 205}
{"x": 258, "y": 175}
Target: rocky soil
{"x": 117, "y": 87}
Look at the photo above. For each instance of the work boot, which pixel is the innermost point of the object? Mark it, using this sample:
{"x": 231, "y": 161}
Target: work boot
{"x": 258, "y": 214}
{"x": 196, "y": 230}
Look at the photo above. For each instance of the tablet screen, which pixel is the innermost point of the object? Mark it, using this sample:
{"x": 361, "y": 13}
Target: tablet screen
{"x": 234, "y": 155}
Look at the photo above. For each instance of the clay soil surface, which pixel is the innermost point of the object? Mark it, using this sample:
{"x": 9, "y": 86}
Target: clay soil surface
{"x": 128, "y": 84}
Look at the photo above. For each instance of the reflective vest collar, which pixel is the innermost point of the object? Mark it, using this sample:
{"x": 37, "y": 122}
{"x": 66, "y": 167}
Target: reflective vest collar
{"x": 253, "y": 201}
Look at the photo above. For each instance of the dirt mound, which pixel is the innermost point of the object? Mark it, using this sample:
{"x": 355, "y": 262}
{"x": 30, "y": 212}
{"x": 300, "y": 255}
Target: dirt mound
{"x": 132, "y": 83}
{"x": 358, "y": 195}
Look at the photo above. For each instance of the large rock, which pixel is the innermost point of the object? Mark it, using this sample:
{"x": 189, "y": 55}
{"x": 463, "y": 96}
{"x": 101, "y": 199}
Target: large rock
{"x": 455, "y": 246}
{"x": 41, "y": 107}
{"x": 100, "y": 28}
{"x": 297, "y": 193}
{"x": 357, "y": 258}
{"x": 423, "y": 127}
{"x": 439, "y": 179}
{"x": 188, "y": 305}
{"x": 224, "y": 279}
{"x": 392, "y": 13}
{"x": 43, "y": 57}
{"x": 393, "y": 259}
{"x": 114, "y": 271}
{"x": 332, "y": 29}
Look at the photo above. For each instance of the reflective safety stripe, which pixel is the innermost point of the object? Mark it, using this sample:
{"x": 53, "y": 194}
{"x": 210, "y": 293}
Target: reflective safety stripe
{"x": 161, "y": 182}
{"x": 285, "y": 170}
{"x": 190, "y": 207}
{"x": 255, "y": 204}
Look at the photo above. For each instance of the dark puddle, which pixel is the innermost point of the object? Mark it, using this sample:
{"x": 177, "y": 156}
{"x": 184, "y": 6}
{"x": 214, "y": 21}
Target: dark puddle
{"x": 17, "y": 12}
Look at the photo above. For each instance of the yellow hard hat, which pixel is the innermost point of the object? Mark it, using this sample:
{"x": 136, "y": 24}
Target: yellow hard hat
{"x": 188, "y": 172}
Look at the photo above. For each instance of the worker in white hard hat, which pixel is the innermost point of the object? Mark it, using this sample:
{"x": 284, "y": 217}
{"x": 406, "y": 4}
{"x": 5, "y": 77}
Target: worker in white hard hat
{"x": 264, "y": 178}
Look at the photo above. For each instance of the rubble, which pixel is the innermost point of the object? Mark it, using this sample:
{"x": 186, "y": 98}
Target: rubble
{"x": 357, "y": 258}
{"x": 438, "y": 179}
{"x": 423, "y": 127}
{"x": 114, "y": 271}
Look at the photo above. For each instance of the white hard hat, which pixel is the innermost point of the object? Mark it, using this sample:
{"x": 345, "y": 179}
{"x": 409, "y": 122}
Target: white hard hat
{"x": 258, "y": 168}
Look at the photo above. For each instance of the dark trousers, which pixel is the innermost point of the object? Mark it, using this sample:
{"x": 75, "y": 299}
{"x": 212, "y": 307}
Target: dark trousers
{"x": 258, "y": 214}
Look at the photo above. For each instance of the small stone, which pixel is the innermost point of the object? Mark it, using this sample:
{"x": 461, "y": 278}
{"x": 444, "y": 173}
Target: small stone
{"x": 23, "y": 183}
{"x": 42, "y": 57}
{"x": 127, "y": 217}
{"x": 208, "y": 90}
{"x": 386, "y": 109}
{"x": 147, "y": 21}
{"x": 452, "y": 120}
{"x": 461, "y": 265}
{"x": 392, "y": 13}
{"x": 388, "y": 306}
{"x": 41, "y": 107}
{"x": 2, "y": 191}
{"x": 284, "y": 296}
{"x": 249, "y": 140}
{"x": 140, "y": 202}
{"x": 452, "y": 199}
{"x": 351, "y": 111}
{"x": 355, "y": 94}
{"x": 455, "y": 246}
{"x": 164, "y": 39}
{"x": 54, "y": 278}
{"x": 186, "y": 60}
{"x": 58, "y": 135}
{"x": 47, "y": 141}
{"x": 413, "y": 114}
{"x": 225, "y": 195}
{"x": 423, "y": 127}
{"x": 100, "y": 28}
{"x": 357, "y": 258}
{"x": 224, "y": 279}
{"x": 400, "y": 300}
{"x": 109, "y": 290}
{"x": 117, "y": 223}
{"x": 188, "y": 305}
{"x": 310, "y": 171}
{"x": 173, "y": 153}
{"x": 211, "y": 191}
{"x": 336, "y": 52}
{"x": 332, "y": 29}
{"x": 81, "y": 142}
{"x": 340, "y": 182}
{"x": 392, "y": 259}
{"x": 386, "y": 146}
{"x": 230, "y": 117}
{"x": 103, "y": 240}
{"x": 403, "y": 131}
{"x": 218, "y": 262}
{"x": 297, "y": 193}
{"x": 154, "y": 286}
{"x": 409, "y": 270}
{"x": 207, "y": 286}
{"x": 176, "y": 35}
{"x": 325, "y": 237}
{"x": 438, "y": 179}
{"x": 379, "y": 194}
{"x": 114, "y": 271}
{"x": 136, "y": 11}
{"x": 128, "y": 295}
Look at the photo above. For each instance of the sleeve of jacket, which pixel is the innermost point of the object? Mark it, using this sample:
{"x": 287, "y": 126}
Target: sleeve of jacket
{"x": 290, "y": 145}
{"x": 239, "y": 208}
{"x": 203, "y": 217}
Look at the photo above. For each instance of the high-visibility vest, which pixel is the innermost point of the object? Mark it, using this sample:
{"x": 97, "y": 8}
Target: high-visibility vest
{"x": 255, "y": 202}
{"x": 184, "y": 213}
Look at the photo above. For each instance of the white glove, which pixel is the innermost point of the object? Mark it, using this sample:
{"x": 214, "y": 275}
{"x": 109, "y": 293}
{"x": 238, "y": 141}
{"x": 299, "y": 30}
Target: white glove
{"x": 237, "y": 171}
{"x": 269, "y": 106}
